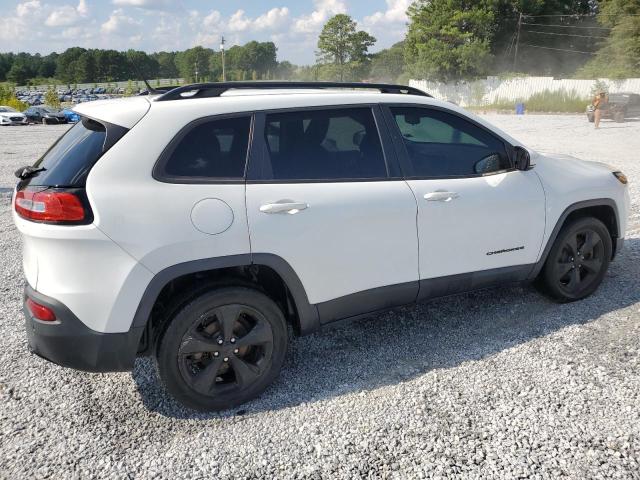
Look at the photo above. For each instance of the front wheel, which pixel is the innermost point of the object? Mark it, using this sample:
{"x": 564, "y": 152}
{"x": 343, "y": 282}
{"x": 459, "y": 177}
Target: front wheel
{"x": 618, "y": 117}
{"x": 222, "y": 349}
{"x": 578, "y": 260}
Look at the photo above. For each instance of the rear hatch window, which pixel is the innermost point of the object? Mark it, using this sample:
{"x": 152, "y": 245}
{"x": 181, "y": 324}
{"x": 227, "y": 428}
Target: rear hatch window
{"x": 68, "y": 162}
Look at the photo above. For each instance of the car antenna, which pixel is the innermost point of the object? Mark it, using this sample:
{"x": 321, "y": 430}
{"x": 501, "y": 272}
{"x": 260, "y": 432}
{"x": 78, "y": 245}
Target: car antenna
{"x": 150, "y": 89}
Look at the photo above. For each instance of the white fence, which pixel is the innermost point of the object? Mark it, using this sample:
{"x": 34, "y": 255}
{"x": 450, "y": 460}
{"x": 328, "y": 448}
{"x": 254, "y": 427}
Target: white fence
{"x": 163, "y": 82}
{"x": 493, "y": 89}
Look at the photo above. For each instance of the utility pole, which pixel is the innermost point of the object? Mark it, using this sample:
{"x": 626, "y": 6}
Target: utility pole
{"x": 515, "y": 55}
{"x": 196, "y": 69}
{"x": 224, "y": 77}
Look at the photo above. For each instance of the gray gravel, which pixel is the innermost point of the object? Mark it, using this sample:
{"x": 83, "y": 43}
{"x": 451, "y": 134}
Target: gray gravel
{"x": 501, "y": 384}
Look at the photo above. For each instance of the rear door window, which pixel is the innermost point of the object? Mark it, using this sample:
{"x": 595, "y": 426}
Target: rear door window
{"x": 211, "y": 150}
{"x": 332, "y": 144}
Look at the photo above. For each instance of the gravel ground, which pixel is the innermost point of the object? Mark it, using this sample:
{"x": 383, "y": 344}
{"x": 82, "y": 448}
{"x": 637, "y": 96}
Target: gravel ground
{"x": 500, "y": 384}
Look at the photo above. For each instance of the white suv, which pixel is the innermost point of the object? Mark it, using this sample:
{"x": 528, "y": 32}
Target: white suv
{"x": 196, "y": 225}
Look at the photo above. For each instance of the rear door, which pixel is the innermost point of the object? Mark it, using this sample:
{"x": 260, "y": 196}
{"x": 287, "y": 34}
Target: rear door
{"x": 475, "y": 212}
{"x": 324, "y": 194}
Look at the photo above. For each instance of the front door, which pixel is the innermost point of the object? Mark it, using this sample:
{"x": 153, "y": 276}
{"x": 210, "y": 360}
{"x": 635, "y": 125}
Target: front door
{"x": 475, "y": 212}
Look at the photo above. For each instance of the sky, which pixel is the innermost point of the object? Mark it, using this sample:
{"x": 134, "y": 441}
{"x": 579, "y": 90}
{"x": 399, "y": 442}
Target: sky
{"x": 44, "y": 26}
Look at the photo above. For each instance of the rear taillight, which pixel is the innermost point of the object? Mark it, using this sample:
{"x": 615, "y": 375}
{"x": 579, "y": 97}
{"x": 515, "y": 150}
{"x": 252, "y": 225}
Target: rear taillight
{"x": 50, "y": 206}
{"x": 40, "y": 311}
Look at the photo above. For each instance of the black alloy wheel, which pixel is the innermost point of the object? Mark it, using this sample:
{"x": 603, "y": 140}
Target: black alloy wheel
{"x": 222, "y": 349}
{"x": 578, "y": 260}
{"x": 226, "y": 349}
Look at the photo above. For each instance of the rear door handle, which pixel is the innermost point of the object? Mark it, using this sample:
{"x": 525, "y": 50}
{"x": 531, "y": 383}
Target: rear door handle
{"x": 284, "y": 207}
{"x": 440, "y": 196}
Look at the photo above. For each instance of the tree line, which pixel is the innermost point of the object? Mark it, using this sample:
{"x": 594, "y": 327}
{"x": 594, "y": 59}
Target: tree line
{"x": 445, "y": 40}
{"x": 254, "y": 60}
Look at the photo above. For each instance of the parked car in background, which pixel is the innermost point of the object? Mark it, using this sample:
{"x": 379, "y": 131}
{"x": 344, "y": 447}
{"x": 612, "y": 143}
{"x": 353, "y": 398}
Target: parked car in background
{"x": 72, "y": 116}
{"x": 618, "y": 107}
{"x": 45, "y": 115}
{"x": 10, "y": 116}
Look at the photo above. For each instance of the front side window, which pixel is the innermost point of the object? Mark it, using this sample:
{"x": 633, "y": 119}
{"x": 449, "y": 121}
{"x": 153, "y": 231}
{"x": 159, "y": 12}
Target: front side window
{"x": 211, "y": 149}
{"x": 440, "y": 144}
{"x": 333, "y": 144}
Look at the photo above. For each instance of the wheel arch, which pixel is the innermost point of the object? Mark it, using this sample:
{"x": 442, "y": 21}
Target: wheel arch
{"x": 604, "y": 209}
{"x": 234, "y": 270}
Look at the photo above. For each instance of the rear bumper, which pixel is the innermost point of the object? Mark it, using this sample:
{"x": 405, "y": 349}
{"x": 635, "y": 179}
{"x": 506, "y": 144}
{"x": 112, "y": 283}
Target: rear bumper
{"x": 70, "y": 343}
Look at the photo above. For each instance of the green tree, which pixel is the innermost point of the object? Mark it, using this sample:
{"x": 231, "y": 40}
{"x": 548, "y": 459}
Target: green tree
{"x": 449, "y": 39}
{"x": 387, "y": 65}
{"x": 166, "y": 64}
{"x": 66, "y": 69}
{"x": 192, "y": 60}
{"x": 51, "y": 98}
{"x": 85, "y": 67}
{"x": 340, "y": 44}
{"x": 18, "y": 74}
{"x": 141, "y": 65}
{"x": 619, "y": 56}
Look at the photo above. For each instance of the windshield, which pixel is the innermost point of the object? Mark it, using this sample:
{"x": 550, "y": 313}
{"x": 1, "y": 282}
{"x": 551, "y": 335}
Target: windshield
{"x": 7, "y": 109}
{"x": 49, "y": 110}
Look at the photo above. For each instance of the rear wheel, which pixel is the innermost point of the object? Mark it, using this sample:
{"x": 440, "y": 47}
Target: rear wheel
{"x": 222, "y": 349}
{"x": 618, "y": 117}
{"x": 591, "y": 117}
{"x": 578, "y": 260}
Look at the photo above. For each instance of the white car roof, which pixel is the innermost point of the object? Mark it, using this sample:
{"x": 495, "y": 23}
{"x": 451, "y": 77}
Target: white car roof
{"x": 128, "y": 111}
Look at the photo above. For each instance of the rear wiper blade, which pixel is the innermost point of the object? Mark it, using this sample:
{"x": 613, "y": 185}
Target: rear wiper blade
{"x": 27, "y": 172}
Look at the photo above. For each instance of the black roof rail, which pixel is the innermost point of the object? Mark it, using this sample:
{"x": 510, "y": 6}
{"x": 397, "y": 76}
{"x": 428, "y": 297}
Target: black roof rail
{"x": 205, "y": 90}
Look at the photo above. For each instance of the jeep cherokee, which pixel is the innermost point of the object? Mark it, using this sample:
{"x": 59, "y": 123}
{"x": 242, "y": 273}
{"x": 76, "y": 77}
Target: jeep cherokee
{"x": 198, "y": 225}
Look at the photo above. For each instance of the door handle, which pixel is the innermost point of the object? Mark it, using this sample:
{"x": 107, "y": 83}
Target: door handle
{"x": 284, "y": 207}
{"x": 440, "y": 196}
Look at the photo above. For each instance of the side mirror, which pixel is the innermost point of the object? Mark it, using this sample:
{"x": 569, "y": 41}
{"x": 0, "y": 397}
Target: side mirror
{"x": 522, "y": 159}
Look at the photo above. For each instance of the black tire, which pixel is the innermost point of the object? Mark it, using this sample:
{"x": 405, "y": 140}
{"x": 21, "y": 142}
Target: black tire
{"x": 591, "y": 117}
{"x": 570, "y": 272}
{"x": 618, "y": 117}
{"x": 206, "y": 375}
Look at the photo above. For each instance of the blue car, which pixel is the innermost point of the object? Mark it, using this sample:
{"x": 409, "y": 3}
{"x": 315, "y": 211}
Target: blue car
{"x": 72, "y": 116}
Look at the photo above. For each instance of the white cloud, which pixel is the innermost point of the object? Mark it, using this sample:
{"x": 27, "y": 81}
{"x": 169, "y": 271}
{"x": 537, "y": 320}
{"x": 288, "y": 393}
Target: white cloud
{"x": 274, "y": 18}
{"x": 82, "y": 8}
{"x": 118, "y": 22}
{"x": 238, "y": 22}
{"x": 396, "y": 13}
{"x": 324, "y": 9}
{"x": 28, "y": 8}
{"x": 213, "y": 20}
{"x": 67, "y": 15}
{"x": 146, "y": 4}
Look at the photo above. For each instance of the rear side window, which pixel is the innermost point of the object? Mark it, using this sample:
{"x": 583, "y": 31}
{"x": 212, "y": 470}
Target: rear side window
{"x": 333, "y": 144}
{"x": 213, "y": 149}
{"x": 68, "y": 162}
{"x": 440, "y": 144}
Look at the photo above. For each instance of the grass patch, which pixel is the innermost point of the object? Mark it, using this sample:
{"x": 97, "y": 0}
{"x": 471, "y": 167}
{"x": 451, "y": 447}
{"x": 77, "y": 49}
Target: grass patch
{"x": 559, "y": 101}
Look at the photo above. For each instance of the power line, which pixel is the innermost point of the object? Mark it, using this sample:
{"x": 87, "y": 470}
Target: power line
{"x": 585, "y": 15}
{"x": 563, "y": 34}
{"x": 563, "y": 26}
{"x": 558, "y": 49}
